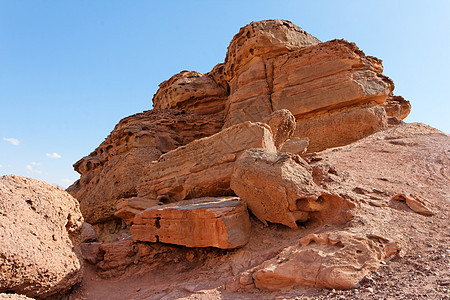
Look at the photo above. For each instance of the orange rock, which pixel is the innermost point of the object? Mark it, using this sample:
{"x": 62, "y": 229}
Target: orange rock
{"x": 113, "y": 170}
{"x": 295, "y": 145}
{"x": 340, "y": 127}
{"x": 279, "y": 188}
{"x": 127, "y": 208}
{"x": 203, "y": 168}
{"x": 416, "y": 203}
{"x": 327, "y": 76}
{"x": 397, "y": 106}
{"x": 205, "y": 222}
{"x": 334, "y": 260}
{"x": 40, "y": 227}
{"x": 269, "y": 37}
{"x": 180, "y": 90}
{"x": 249, "y": 98}
{"x": 282, "y": 123}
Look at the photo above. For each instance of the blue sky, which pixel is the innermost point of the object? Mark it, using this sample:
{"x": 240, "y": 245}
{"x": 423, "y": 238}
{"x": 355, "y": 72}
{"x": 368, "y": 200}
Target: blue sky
{"x": 70, "y": 70}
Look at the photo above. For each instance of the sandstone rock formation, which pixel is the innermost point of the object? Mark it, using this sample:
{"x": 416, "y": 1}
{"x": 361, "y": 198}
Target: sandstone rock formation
{"x": 272, "y": 65}
{"x": 283, "y": 92}
{"x": 340, "y": 127}
{"x": 206, "y": 222}
{"x": 202, "y": 168}
{"x": 112, "y": 171}
{"x": 258, "y": 39}
{"x": 336, "y": 93}
{"x": 279, "y": 188}
{"x": 327, "y": 260}
{"x": 39, "y": 230}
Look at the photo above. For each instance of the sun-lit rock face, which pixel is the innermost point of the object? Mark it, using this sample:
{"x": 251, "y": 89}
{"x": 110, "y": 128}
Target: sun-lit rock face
{"x": 202, "y": 168}
{"x": 112, "y": 171}
{"x": 274, "y": 64}
{"x": 40, "y": 227}
{"x": 333, "y": 93}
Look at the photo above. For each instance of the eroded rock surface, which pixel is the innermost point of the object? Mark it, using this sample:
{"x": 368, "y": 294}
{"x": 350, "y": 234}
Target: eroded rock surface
{"x": 278, "y": 188}
{"x": 336, "y": 260}
{"x": 397, "y": 106}
{"x": 113, "y": 170}
{"x": 341, "y": 203}
{"x": 127, "y": 208}
{"x": 39, "y": 231}
{"x": 272, "y": 65}
{"x": 182, "y": 88}
{"x": 202, "y": 168}
{"x": 206, "y": 222}
{"x": 336, "y": 93}
{"x": 269, "y": 37}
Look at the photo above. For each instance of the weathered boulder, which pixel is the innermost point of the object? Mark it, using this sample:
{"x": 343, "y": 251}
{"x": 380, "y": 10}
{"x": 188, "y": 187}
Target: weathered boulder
{"x": 203, "y": 167}
{"x": 334, "y": 260}
{"x": 113, "y": 259}
{"x": 282, "y": 123}
{"x": 295, "y": 145}
{"x": 113, "y": 170}
{"x": 39, "y": 231}
{"x": 279, "y": 188}
{"x": 206, "y": 222}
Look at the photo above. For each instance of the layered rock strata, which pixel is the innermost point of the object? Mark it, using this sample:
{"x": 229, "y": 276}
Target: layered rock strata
{"x": 335, "y": 93}
{"x": 272, "y": 65}
{"x": 202, "y": 168}
{"x": 206, "y": 222}
{"x": 112, "y": 171}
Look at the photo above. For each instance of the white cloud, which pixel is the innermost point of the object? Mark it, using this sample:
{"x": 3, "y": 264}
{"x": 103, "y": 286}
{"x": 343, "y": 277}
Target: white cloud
{"x": 1, "y": 166}
{"x": 12, "y": 141}
{"x": 53, "y": 155}
{"x": 32, "y": 168}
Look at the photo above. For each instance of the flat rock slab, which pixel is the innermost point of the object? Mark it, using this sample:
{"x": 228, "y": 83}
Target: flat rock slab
{"x": 221, "y": 222}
